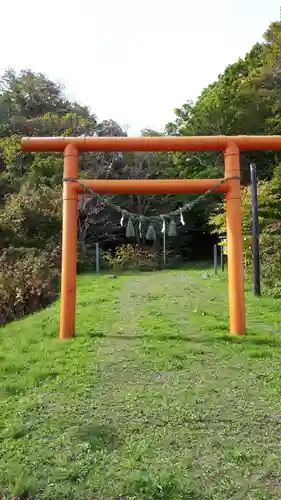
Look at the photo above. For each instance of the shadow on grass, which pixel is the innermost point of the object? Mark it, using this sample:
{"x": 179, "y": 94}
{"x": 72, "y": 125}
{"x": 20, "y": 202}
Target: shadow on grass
{"x": 185, "y": 266}
{"x": 221, "y": 339}
{"x": 159, "y": 488}
{"x": 99, "y": 436}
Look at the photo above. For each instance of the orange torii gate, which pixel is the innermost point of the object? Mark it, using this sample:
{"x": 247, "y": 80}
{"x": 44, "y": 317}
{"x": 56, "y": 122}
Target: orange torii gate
{"x": 230, "y": 145}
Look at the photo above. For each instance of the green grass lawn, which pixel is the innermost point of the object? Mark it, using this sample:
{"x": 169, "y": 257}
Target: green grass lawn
{"x": 152, "y": 400}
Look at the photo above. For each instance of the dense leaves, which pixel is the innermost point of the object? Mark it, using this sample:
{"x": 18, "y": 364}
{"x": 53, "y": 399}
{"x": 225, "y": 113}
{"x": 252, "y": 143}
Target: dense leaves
{"x": 269, "y": 224}
{"x": 245, "y": 99}
{"x": 28, "y": 282}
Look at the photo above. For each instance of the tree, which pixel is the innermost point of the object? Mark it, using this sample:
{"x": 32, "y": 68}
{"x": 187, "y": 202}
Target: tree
{"x": 99, "y": 222}
{"x": 31, "y": 104}
{"x": 32, "y": 218}
{"x": 239, "y": 102}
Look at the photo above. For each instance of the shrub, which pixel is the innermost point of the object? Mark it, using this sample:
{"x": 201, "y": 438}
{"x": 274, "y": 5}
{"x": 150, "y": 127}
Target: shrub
{"x": 270, "y": 253}
{"x": 269, "y": 197}
{"x": 173, "y": 260}
{"x": 134, "y": 258}
{"x": 87, "y": 263}
{"x": 31, "y": 217}
{"x": 248, "y": 253}
{"x": 269, "y": 207}
{"x": 130, "y": 258}
{"x": 28, "y": 282}
{"x": 270, "y": 258}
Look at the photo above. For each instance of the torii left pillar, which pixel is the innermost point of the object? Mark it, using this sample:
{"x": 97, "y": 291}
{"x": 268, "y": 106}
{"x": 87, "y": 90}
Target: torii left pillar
{"x": 69, "y": 244}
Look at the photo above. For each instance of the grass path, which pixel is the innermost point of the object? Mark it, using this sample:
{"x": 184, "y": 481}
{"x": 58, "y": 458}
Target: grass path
{"x": 151, "y": 401}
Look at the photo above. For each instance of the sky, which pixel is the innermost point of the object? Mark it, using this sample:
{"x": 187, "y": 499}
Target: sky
{"x": 131, "y": 60}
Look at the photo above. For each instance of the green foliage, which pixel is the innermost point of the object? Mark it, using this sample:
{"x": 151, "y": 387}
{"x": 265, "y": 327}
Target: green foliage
{"x": 269, "y": 208}
{"x": 87, "y": 262}
{"x": 270, "y": 251}
{"x": 10, "y": 149}
{"x": 31, "y": 104}
{"x": 30, "y": 184}
{"x": 245, "y": 99}
{"x": 46, "y": 170}
{"x": 270, "y": 257}
{"x": 32, "y": 217}
{"x": 132, "y": 258}
{"x": 27, "y": 282}
{"x": 269, "y": 199}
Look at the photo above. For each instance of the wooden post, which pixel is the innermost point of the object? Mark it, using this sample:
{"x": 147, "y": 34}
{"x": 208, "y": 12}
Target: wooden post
{"x": 164, "y": 247}
{"x": 235, "y": 242}
{"x": 222, "y": 257}
{"x": 69, "y": 244}
{"x": 255, "y": 231}
{"x": 215, "y": 259}
{"x": 97, "y": 259}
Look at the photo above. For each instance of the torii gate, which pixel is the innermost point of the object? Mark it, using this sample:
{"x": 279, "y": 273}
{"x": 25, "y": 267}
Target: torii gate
{"x": 230, "y": 145}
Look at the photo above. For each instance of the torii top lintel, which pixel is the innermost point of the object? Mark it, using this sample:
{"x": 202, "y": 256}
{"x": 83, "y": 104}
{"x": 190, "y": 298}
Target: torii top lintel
{"x": 153, "y": 144}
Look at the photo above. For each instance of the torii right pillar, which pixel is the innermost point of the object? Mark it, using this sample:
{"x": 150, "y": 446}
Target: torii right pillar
{"x": 235, "y": 242}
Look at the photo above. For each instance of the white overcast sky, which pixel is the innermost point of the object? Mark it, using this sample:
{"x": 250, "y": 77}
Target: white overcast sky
{"x": 131, "y": 60}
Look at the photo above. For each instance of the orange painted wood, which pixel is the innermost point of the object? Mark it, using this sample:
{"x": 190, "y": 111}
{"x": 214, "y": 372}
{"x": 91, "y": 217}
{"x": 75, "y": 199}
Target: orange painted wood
{"x": 235, "y": 244}
{"x": 231, "y": 145}
{"x": 151, "y": 186}
{"x": 193, "y": 143}
{"x": 69, "y": 246}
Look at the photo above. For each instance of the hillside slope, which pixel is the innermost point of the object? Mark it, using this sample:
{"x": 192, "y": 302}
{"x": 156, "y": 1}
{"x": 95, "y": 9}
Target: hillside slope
{"x": 151, "y": 401}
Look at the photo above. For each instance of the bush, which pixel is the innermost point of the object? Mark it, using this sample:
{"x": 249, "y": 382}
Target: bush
{"x": 173, "y": 261}
{"x": 133, "y": 258}
{"x": 31, "y": 217}
{"x": 130, "y": 258}
{"x": 269, "y": 197}
{"x": 270, "y": 258}
{"x": 270, "y": 252}
{"x": 269, "y": 207}
{"x": 28, "y": 282}
{"x": 87, "y": 263}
